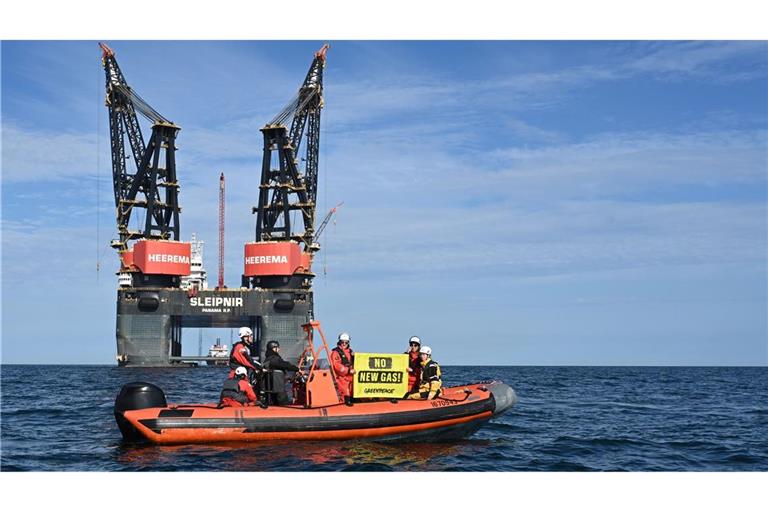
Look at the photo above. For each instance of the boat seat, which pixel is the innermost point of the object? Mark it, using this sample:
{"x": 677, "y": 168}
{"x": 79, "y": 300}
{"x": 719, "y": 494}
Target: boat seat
{"x": 273, "y": 386}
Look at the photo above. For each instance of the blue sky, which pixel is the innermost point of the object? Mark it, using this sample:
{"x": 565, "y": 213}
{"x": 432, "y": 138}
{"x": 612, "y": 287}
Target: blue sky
{"x": 530, "y": 202}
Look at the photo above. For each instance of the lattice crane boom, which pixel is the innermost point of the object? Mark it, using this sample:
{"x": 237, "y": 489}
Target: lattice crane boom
{"x": 326, "y": 219}
{"x": 288, "y": 188}
{"x": 308, "y": 115}
{"x": 155, "y": 161}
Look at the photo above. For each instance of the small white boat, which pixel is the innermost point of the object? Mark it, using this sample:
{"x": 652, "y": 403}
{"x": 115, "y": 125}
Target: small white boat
{"x": 220, "y": 352}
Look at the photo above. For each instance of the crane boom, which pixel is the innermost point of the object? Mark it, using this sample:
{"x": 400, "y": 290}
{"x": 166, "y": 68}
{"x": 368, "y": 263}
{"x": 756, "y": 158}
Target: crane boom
{"x": 326, "y": 219}
{"x": 308, "y": 115}
{"x": 155, "y": 161}
{"x": 121, "y": 113}
{"x": 279, "y": 185}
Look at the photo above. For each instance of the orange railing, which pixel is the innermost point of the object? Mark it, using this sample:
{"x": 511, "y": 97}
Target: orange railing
{"x": 317, "y": 391}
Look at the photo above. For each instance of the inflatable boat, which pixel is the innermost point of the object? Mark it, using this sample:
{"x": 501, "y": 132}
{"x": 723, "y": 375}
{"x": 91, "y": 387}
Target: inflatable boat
{"x": 318, "y": 412}
{"x": 457, "y": 413}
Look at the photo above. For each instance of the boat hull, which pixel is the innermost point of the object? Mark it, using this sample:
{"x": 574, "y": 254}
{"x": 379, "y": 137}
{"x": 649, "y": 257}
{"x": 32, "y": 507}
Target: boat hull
{"x": 459, "y": 412}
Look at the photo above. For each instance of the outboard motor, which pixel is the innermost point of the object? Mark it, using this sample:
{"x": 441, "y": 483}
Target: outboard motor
{"x": 132, "y": 396}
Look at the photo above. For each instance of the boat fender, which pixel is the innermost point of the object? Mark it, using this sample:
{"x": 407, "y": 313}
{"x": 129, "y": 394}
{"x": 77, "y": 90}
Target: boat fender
{"x": 132, "y": 396}
{"x": 504, "y": 397}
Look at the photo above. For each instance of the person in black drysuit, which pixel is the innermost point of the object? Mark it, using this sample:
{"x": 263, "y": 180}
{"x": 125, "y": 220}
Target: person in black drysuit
{"x": 273, "y": 361}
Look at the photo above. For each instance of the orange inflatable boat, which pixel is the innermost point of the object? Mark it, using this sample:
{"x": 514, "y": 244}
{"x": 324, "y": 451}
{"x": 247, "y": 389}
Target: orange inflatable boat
{"x": 317, "y": 413}
{"x": 459, "y": 412}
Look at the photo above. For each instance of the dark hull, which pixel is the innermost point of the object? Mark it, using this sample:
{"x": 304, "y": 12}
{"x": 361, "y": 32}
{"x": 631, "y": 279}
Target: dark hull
{"x": 150, "y": 321}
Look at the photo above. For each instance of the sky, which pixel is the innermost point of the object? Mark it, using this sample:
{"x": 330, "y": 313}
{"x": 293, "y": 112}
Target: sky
{"x": 510, "y": 202}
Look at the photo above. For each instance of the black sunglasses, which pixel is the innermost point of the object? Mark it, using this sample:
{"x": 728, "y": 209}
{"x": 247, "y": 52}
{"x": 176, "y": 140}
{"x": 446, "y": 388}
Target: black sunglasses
{"x": 415, "y": 344}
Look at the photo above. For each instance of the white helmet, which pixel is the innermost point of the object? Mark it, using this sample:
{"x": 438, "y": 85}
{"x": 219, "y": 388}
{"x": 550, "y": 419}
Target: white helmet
{"x": 240, "y": 371}
{"x": 415, "y": 339}
{"x": 425, "y": 350}
{"x": 245, "y": 331}
{"x": 344, "y": 337}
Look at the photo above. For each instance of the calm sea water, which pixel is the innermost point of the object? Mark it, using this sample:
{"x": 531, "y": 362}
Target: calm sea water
{"x": 59, "y": 418}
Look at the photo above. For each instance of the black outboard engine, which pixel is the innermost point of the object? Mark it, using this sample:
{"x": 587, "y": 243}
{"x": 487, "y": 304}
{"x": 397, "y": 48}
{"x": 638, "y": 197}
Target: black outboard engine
{"x": 132, "y": 396}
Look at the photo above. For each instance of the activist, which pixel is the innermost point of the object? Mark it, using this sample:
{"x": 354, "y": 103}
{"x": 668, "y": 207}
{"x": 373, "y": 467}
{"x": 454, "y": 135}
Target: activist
{"x": 274, "y": 361}
{"x": 430, "y": 385}
{"x": 237, "y": 392}
{"x": 342, "y": 360}
{"x": 241, "y": 355}
{"x": 414, "y": 364}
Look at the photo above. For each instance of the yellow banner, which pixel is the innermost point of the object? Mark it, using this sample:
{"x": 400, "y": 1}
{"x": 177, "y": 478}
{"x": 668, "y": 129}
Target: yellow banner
{"x": 380, "y": 375}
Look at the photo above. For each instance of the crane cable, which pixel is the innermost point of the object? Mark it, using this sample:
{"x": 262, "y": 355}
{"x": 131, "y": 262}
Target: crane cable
{"x": 286, "y": 112}
{"x": 324, "y": 123}
{"x": 293, "y": 107}
{"x": 98, "y": 167}
{"x": 140, "y": 104}
{"x": 99, "y": 255}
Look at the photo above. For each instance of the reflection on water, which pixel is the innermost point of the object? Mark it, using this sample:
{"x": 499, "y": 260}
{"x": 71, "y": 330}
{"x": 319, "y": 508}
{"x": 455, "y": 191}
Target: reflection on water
{"x": 302, "y": 456}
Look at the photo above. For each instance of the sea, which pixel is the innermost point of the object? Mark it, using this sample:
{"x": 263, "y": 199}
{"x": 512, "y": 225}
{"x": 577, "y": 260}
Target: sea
{"x": 683, "y": 419}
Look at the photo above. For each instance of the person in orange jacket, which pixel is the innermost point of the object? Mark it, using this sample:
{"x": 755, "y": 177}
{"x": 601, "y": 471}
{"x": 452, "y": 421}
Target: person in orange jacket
{"x": 414, "y": 364}
{"x": 237, "y": 391}
{"x": 241, "y": 354}
{"x": 343, "y": 359}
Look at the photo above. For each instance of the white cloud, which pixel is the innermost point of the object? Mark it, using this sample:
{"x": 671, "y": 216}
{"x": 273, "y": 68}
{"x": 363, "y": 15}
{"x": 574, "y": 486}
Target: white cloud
{"x": 563, "y": 238}
{"x": 626, "y": 163}
{"x": 703, "y": 58}
{"x": 554, "y": 209}
{"x": 414, "y": 98}
{"x": 37, "y": 155}
{"x": 621, "y": 200}
{"x": 51, "y": 251}
{"x": 419, "y": 95}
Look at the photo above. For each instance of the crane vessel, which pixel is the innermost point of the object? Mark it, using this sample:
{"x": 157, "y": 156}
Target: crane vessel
{"x": 162, "y": 287}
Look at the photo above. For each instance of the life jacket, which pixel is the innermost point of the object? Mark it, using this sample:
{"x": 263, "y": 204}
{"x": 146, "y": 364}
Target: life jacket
{"x": 413, "y": 360}
{"x": 430, "y": 372}
{"x": 232, "y": 390}
{"x": 346, "y": 362}
{"x": 233, "y": 362}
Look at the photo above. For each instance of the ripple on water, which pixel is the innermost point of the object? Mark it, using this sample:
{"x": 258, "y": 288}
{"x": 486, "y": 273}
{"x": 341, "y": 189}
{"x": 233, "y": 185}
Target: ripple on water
{"x": 566, "y": 419}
